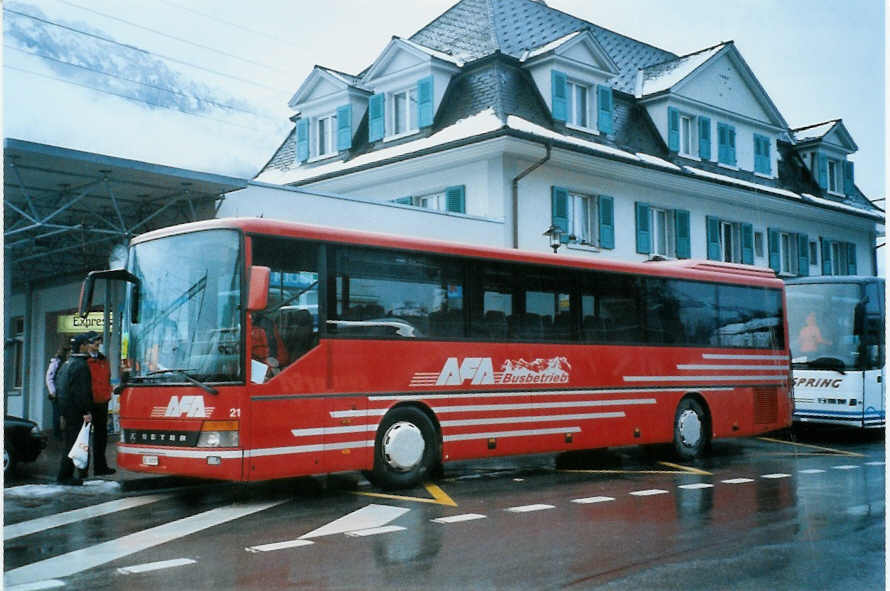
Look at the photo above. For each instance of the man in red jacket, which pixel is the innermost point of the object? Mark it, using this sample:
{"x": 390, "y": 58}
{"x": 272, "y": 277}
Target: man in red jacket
{"x": 100, "y": 374}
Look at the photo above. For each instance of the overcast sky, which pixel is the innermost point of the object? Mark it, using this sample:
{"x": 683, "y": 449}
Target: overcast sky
{"x": 817, "y": 59}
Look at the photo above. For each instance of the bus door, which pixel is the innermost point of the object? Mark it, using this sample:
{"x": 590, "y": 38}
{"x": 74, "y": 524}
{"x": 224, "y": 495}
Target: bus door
{"x": 873, "y": 356}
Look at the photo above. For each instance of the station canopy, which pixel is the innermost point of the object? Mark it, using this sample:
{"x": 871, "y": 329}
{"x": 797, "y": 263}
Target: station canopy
{"x": 65, "y": 210}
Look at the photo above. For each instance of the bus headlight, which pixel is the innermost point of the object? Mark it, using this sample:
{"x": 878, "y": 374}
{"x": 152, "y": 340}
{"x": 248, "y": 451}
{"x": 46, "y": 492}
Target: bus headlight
{"x": 218, "y": 434}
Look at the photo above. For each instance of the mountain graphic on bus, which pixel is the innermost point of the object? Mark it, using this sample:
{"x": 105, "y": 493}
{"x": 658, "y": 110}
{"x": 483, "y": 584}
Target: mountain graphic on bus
{"x": 540, "y": 371}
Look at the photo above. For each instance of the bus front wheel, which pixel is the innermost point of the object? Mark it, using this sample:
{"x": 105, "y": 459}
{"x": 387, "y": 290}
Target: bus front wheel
{"x": 691, "y": 429}
{"x": 404, "y": 450}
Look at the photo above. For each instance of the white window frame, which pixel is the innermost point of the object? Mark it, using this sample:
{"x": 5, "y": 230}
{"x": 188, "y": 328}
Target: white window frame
{"x": 666, "y": 231}
{"x": 571, "y": 116}
{"x": 688, "y": 135}
{"x": 834, "y": 180}
{"x": 436, "y": 201}
{"x": 328, "y": 137}
{"x": 407, "y": 122}
{"x": 814, "y": 253}
{"x": 758, "y": 244}
{"x": 788, "y": 256}
{"x": 734, "y": 231}
{"x": 576, "y": 204}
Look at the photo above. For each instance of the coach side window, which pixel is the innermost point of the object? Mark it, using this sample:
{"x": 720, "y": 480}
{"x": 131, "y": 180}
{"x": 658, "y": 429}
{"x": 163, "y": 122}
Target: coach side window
{"x": 680, "y": 312}
{"x": 610, "y": 308}
{"x": 288, "y": 327}
{"x": 749, "y": 317}
{"x": 392, "y": 294}
{"x": 492, "y": 312}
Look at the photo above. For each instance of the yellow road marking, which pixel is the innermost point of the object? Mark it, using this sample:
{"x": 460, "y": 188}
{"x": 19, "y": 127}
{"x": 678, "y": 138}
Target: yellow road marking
{"x": 689, "y": 469}
{"x": 824, "y": 449}
{"x": 439, "y": 496}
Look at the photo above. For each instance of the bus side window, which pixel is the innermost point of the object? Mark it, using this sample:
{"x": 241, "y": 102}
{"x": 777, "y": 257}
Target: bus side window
{"x": 288, "y": 327}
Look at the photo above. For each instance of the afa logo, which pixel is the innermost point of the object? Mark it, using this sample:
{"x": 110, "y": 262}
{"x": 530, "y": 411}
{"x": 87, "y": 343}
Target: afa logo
{"x": 185, "y": 406}
{"x": 478, "y": 371}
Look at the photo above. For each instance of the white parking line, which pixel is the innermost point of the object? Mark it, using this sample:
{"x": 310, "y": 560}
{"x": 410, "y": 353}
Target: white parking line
{"x": 458, "y": 518}
{"x": 38, "y": 586}
{"x": 86, "y": 558}
{"x": 32, "y": 526}
{"x": 846, "y": 467}
{"x": 874, "y": 463}
{"x": 528, "y": 508}
{"x": 279, "y": 546}
{"x": 374, "y": 531}
{"x": 151, "y": 566}
{"x": 777, "y": 475}
{"x": 649, "y": 492}
{"x": 737, "y": 481}
{"x": 696, "y": 486}
{"x": 588, "y": 500}
{"x": 812, "y": 471}
{"x": 368, "y": 517}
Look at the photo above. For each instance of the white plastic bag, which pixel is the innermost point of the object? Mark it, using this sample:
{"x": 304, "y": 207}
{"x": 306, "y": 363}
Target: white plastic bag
{"x": 80, "y": 451}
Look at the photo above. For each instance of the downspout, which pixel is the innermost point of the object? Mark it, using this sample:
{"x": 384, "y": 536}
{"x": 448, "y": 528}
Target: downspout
{"x": 515, "y": 185}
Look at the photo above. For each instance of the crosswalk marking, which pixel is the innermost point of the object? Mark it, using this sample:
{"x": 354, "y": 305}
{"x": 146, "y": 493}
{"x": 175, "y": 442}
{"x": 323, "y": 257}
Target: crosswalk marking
{"x": 365, "y": 518}
{"x": 737, "y": 481}
{"x": 38, "y": 586}
{"x": 150, "y": 566}
{"x": 458, "y": 518}
{"x": 25, "y": 528}
{"x": 279, "y": 546}
{"x": 588, "y": 500}
{"x": 649, "y": 493}
{"x": 93, "y": 556}
{"x": 812, "y": 471}
{"x": 528, "y": 508}
{"x": 374, "y": 531}
{"x": 696, "y": 486}
{"x": 845, "y": 467}
{"x": 777, "y": 475}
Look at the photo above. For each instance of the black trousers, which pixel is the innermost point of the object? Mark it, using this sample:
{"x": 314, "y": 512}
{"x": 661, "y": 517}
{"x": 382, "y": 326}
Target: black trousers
{"x": 100, "y": 436}
{"x": 73, "y": 423}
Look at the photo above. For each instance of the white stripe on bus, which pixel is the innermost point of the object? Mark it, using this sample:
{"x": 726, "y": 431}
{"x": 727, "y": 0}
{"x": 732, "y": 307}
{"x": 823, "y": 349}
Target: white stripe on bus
{"x": 539, "y": 419}
{"x": 341, "y": 414}
{"x": 698, "y": 378}
{"x": 334, "y": 430}
{"x": 523, "y": 433}
{"x": 748, "y": 367}
{"x": 301, "y": 449}
{"x": 757, "y": 357}
{"x": 179, "y": 453}
{"x": 538, "y": 393}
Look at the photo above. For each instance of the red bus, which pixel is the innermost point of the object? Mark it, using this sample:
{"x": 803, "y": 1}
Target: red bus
{"x": 261, "y": 349}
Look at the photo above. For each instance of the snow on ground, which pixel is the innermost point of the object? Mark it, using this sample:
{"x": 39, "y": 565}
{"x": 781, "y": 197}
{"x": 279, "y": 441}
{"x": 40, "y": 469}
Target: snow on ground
{"x": 39, "y": 491}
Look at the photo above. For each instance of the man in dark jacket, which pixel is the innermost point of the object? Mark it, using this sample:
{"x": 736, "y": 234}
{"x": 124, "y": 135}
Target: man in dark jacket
{"x": 101, "y": 384}
{"x": 75, "y": 394}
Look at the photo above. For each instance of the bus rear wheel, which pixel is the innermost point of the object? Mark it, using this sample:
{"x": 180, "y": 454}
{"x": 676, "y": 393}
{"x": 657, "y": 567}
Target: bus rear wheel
{"x": 691, "y": 429}
{"x": 404, "y": 450}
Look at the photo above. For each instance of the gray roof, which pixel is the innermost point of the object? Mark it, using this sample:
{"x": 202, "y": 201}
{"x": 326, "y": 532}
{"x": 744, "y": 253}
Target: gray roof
{"x": 477, "y": 28}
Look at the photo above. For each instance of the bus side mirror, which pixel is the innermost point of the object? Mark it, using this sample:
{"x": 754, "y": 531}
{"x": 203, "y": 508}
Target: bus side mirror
{"x": 89, "y": 284}
{"x": 258, "y": 296}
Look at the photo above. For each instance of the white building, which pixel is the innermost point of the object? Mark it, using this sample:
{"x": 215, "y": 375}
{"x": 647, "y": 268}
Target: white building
{"x": 506, "y": 118}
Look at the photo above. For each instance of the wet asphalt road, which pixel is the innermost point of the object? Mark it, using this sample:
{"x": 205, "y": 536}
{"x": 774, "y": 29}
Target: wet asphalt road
{"x": 757, "y": 514}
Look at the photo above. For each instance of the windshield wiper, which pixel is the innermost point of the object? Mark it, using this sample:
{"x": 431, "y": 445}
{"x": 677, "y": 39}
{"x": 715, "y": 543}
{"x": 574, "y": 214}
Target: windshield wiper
{"x": 832, "y": 363}
{"x": 182, "y": 372}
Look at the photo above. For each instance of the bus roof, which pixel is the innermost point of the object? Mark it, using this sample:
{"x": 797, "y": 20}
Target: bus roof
{"x": 683, "y": 268}
{"x": 835, "y": 279}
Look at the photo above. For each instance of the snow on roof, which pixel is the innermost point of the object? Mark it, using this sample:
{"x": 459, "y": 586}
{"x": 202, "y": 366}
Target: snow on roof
{"x": 741, "y": 183}
{"x": 842, "y": 206}
{"x": 663, "y": 76}
{"x": 541, "y": 50}
{"x": 813, "y": 132}
{"x": 650, "y": 159}
{"x": 436, "y": 54}
{"x": 477, "y": 124}
{"x": 347, "y": 79}
{"x": 520, "y": 124}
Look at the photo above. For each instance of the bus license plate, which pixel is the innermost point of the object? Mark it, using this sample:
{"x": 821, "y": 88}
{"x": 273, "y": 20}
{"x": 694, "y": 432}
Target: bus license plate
{"x": 150, "y": 460}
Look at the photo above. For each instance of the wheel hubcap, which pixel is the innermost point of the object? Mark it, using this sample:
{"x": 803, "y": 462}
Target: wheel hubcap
{"x": 403, "y": 446}
{"x": 5, "y": 460}
{"x": 689, "y": 428}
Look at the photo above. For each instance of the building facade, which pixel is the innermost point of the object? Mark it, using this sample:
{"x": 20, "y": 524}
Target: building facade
{"x": 507, "y": 122}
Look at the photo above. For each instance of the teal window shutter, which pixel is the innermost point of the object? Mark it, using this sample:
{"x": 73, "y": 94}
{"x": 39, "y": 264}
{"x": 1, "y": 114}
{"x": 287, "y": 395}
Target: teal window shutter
{"x": 375, "y": 118}
{"x": 604, "y": 108}
{"x": 684, "y": 241}
{"x": 721, "y": 143}
{"x": 851, "y": 259}
{"x": 302, "y": 140}
{"x": 558, "y": 95}
{"x": 713, "y": 235}
{"x": 822, "y": 171}
{"x": 455, "y": 199}
{"x": 826, "y": 256}
{"x": 803, "y": 255}
{"x": 644, "y": 243}
{"x": 730, "y": 133}
{"x": 425, "y": 101}
{"x": 767, "y": 155}
{"x": 607, "y": 221}
{"x": 761, "y": 154}
{"x": 344, "y": 127}
{"x": 747, "y": 244}
{"x": 775, "y": 259}
{"x": 704, "y": 138}
{"x": 726, "y": 144}
{"x": 559, "y": 209}
{"x": 673, "y": 130}
{"x": 848, "y": 178}
{"x": 404, "y": 201}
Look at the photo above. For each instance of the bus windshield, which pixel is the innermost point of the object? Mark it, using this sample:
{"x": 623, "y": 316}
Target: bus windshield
{"x": 189, "y": 308}
{"x": 822, "y": 325}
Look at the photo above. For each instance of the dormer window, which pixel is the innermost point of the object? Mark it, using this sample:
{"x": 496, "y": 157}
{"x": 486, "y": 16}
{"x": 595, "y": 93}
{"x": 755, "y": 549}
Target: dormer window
{"x": 579, "y": 104}
{"x": 687, "y": 135}
{"x": 404, "y": 111}
{"x": 833, "y": 176}
{"x": 326, "y": 135}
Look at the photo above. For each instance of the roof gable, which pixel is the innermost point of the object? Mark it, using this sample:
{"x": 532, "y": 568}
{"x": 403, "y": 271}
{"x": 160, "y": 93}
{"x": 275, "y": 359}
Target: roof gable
{"x": 320, "y": 84}
{"x": 830, "y": 132}
{"x": 717, "y": 76}
{"x": 580, "y": 47}
{"x": 401, "y": 55}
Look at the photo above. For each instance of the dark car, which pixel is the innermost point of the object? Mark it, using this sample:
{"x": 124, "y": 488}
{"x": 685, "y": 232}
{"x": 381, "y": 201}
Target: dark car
{"x": 22, "y": 442}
